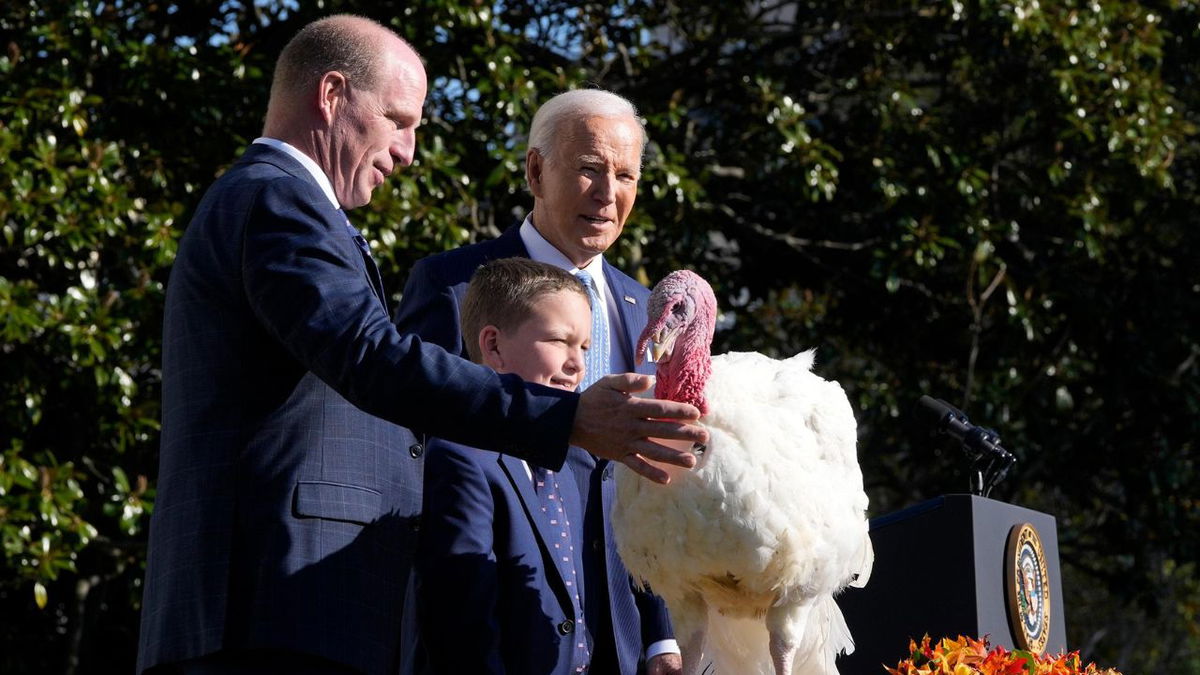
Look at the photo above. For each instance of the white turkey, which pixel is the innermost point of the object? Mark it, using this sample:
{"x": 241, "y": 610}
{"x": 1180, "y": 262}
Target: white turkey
{"x": 749, "y": 548}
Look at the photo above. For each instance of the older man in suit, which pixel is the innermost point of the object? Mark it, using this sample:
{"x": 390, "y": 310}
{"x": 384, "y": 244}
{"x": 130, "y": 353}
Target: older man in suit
{"x": 282, "y": 536}
{"x": 582, "y": 166}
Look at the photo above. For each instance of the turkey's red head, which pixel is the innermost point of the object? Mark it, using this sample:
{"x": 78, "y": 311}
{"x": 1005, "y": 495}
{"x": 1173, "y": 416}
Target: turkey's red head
{"x": 682, "y": 315}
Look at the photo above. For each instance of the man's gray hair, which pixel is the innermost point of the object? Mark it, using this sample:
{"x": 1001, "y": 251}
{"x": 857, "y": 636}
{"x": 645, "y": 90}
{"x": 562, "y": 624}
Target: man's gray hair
{"x": 575, "y": 104}
{"x": 346, "y": 43}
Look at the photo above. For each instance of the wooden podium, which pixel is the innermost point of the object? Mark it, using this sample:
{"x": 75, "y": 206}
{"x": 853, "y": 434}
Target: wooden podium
{"x": 956, "y": 565}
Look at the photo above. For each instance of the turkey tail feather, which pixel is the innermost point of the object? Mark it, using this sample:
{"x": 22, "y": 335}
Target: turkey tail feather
{"x": 826, "y": 637}
{"x": 864, "y": 563}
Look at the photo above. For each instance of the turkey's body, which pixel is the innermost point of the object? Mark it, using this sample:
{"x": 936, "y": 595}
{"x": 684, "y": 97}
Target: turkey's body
{"x": 749, "y": 548}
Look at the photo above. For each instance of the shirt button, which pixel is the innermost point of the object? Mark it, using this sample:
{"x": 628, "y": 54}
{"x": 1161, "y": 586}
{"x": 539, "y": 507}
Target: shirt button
{"x": 566, "y": 627}
{"x": 416, "y": 450}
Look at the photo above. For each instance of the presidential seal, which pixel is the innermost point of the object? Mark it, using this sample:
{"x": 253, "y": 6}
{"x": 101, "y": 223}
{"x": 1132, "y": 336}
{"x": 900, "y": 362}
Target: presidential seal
{"x": 1028, "y": 586}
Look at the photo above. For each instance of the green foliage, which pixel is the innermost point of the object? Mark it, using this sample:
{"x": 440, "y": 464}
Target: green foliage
{"x": 81, "y": 251}
{"x": 989, "y": 202}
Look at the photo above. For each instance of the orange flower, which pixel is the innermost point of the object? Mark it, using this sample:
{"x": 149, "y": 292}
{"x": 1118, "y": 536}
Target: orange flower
{"x": 968, "y": 656}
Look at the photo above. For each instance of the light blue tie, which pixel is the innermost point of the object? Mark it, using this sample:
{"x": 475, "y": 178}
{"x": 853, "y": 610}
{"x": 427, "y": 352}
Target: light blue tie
{"x": 596, "y": 360}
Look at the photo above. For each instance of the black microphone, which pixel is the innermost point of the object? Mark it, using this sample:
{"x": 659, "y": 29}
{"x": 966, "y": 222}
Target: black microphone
{"x": 946, "y": 419}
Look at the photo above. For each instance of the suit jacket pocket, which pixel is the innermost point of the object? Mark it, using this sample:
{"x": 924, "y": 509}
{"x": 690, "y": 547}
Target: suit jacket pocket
{"x": 336, "y": 501}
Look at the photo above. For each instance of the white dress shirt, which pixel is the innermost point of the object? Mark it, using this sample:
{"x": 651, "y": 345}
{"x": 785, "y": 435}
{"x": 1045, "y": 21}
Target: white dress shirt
{"x": 305, "y": 161}
{"x": 543, "y": 251}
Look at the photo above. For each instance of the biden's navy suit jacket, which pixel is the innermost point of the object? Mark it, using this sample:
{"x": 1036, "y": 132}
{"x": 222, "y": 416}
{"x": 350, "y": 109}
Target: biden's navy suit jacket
{"x": 287, "y": 496}
{"x": 494, "y": 592}
{"x": 430, "y": 308}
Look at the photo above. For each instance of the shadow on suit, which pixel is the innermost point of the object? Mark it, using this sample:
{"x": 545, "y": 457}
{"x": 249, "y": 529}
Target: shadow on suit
{"x": 348, "y": 539}
{"x": 449, "y": 652}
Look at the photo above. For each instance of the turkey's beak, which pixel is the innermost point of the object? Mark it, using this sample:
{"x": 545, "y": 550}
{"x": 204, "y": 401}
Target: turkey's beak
{"x": 662, "y": 343}
{"x": 656, "y": 351}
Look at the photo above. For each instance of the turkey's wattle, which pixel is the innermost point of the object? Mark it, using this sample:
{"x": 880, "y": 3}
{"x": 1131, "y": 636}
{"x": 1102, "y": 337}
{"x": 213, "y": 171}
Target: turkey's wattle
{"x": 683, "y": 315}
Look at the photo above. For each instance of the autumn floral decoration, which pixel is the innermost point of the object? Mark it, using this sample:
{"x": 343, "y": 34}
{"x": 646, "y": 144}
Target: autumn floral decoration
{"x": 967, "y": 656}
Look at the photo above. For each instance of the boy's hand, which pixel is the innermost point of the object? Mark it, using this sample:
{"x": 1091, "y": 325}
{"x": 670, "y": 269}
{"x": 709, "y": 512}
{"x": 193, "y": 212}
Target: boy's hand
{"x": 613, "y": 424}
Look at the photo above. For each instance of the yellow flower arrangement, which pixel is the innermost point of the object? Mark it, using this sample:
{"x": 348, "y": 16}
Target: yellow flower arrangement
{"x": 967, "y": 656}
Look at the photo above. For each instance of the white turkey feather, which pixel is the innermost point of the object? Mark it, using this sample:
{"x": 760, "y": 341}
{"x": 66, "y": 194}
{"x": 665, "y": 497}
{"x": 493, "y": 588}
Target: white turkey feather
{"x": 768, "y": 526}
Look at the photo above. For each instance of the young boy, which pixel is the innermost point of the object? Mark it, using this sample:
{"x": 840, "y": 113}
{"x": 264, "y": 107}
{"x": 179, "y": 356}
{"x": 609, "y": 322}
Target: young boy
{"x": 499, "y": 585}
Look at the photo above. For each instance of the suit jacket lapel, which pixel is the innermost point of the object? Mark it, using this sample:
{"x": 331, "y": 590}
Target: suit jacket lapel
{"x": 628, "y": 307}
{"x": 514, "y": 468}
{"x": 373, "y": 276}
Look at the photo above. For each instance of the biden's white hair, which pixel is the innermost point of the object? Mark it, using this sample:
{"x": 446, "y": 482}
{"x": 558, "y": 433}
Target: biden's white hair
{"x": 576, "y": 104}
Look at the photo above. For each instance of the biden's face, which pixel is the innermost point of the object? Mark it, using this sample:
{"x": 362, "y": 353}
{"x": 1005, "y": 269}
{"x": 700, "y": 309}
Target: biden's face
{"x": 584, "y": 191}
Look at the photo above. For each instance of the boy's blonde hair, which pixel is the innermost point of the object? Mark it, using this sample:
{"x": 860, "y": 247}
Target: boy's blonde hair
{"x": 502, "y": 293}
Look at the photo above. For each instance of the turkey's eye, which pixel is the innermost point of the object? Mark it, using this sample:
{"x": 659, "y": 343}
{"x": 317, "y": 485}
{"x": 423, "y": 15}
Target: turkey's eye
{"x": 682, "y": 311}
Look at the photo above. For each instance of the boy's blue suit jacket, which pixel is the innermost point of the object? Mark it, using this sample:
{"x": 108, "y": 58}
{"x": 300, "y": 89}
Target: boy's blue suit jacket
{"x": 492, "y": 592}
{"x": 430, "y": 309}
{"x": 287, "y": 496}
